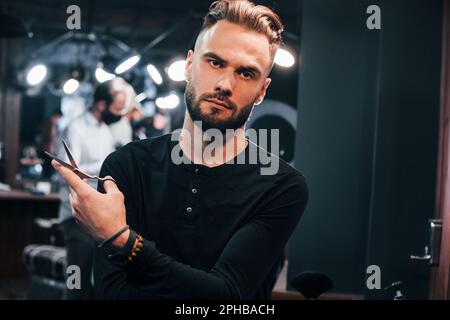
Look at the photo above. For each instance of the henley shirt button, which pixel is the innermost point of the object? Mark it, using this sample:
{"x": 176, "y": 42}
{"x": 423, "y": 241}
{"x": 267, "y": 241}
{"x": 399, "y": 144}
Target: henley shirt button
{"x": 188, "y": 209}
{"x": 194, "y": 191}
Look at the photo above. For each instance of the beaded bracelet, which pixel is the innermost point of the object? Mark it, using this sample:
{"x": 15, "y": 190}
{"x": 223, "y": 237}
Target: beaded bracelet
{"x": 137, "y": 247}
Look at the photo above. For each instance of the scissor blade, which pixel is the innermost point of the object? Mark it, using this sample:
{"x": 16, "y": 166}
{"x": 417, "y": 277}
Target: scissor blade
{"x": 65, "y": 164}
{"x": 69, "y": 154}
{"x": 77, "y": 171}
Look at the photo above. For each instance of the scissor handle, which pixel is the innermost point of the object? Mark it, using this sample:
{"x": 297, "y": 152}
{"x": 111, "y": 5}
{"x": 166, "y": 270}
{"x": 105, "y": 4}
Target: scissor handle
{"x": 106, "y": 179}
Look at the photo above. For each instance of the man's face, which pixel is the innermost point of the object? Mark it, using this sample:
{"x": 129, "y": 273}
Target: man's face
{"x": 227, "y": 75}
{"x": 118, "y": 104}
{"x": 113, "y": 112}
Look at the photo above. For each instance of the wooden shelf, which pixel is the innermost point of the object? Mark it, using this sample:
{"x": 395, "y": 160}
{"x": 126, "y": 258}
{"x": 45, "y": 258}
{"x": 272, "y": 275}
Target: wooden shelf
{"x": 26, "y": 196}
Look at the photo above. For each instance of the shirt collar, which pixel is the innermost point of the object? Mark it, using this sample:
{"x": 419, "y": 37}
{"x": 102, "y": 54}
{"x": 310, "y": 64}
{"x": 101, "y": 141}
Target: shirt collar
{"x": 202, "y": 169}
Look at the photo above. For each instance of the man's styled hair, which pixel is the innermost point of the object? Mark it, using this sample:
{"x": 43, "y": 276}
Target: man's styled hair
{"x": 257, "y": 18}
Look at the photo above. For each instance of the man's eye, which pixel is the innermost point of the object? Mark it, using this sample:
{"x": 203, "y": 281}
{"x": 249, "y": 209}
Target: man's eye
{"x": 214, "y": 63}
{"x": 246, "y": 75}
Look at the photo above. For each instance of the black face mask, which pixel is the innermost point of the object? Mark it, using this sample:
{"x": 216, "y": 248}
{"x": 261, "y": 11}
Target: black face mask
{"x": 109, "y": 117}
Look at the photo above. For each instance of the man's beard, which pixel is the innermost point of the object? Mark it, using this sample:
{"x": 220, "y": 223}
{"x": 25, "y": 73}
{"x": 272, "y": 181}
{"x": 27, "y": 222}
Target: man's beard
{"x": 236, "y": 120}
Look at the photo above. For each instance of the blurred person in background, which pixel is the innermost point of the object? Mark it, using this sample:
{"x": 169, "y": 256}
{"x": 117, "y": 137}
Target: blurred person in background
{"x": 122, "y": 130}
{"x": 151, "y": 126}
{"x": 90, "y": 141}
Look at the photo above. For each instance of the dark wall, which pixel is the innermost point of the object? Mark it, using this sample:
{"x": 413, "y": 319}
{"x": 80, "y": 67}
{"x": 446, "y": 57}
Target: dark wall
{"x": 368, "y": 104}
{"x": 405, "y": 158}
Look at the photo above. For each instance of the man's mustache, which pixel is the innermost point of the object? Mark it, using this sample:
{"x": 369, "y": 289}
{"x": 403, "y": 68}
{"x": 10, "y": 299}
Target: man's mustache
{"x": 219, "y": 97}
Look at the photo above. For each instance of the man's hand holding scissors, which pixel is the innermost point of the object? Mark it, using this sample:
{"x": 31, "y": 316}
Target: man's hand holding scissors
{"x": 101, "y": 214}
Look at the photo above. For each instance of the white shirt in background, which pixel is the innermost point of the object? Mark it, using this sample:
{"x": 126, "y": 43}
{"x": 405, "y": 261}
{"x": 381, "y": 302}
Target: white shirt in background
{"x": 122, "y": 132}
{"x": 90, "y": 142}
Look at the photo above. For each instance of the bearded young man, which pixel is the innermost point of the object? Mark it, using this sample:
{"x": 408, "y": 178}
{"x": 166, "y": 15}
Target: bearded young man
{"x": 206, "y": 229}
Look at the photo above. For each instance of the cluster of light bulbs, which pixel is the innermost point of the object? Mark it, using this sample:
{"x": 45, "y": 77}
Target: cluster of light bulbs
{"x": 38, "y": 73}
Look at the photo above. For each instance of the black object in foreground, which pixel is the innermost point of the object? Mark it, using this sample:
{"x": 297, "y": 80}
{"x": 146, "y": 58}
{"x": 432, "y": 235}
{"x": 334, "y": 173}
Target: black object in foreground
{"x": 312, "y": 284}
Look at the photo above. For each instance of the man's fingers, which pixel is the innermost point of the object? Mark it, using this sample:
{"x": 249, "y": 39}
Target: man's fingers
{"x": 110, "y": 186}
{"x": 79, "y": 186}
{"x": 73, "y": 201}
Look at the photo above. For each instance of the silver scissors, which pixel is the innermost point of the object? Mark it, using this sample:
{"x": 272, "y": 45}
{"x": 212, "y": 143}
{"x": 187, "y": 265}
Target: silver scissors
{"x": 73, "y": 165}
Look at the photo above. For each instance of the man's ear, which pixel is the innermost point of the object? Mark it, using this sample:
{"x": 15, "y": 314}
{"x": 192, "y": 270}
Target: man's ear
{"x": 187, "y": 69}
{"x": 262, "y": 92}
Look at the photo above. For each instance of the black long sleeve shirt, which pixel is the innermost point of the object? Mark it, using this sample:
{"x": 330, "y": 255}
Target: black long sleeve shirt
{"x": 209, "y": 233}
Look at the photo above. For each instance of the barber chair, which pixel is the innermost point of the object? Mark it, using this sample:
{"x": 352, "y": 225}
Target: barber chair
{"x": 46, "y": 264}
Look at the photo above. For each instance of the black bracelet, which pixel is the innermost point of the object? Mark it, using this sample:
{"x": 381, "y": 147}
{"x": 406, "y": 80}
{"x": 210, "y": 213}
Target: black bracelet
{"x": 122, "y": 254}
{"x": 114, "y": 236}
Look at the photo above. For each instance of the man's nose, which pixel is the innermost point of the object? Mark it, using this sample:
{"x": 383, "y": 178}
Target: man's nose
{"x": 226, "y": 83}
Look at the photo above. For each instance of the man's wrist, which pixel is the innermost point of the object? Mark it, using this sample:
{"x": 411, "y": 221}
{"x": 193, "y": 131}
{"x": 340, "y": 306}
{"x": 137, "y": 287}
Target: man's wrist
{"x": 120, "y": 256}
{"x": 120, "y": 241}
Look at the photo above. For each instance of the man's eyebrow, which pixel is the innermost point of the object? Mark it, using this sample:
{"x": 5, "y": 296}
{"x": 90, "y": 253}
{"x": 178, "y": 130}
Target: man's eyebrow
{"x": 212, "y": 55}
